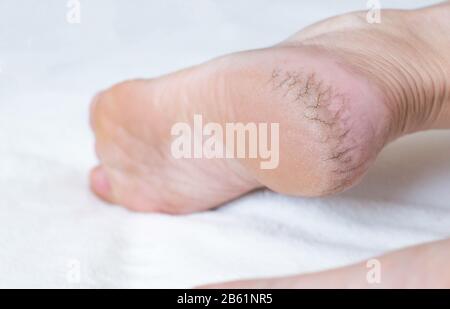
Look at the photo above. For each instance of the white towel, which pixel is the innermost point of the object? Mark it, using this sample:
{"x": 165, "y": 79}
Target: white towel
{"x": 55, "y": 233}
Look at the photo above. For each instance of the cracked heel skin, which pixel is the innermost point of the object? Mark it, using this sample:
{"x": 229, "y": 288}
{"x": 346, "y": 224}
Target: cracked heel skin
{"x": 333, "y": 121}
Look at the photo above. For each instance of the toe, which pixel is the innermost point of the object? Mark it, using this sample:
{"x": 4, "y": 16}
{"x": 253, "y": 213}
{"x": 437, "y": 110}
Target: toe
{"x": 100, "y": 184}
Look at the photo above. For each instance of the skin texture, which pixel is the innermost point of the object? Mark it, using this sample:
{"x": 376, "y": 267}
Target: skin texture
{"x": 348, "y": 139}
{"x": 340, "y": 90}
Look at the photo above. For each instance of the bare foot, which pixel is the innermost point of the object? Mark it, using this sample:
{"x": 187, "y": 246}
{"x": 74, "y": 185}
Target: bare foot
{"x": 425, "y": 266}
{"x": 340, "y": 90}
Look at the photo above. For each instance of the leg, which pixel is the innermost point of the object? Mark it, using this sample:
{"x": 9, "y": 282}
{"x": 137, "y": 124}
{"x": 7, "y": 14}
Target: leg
{"x": 425, "y": 266}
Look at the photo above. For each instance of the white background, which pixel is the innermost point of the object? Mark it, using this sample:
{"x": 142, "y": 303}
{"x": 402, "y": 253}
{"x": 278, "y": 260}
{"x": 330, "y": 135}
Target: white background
{"x": 52, "y": 226}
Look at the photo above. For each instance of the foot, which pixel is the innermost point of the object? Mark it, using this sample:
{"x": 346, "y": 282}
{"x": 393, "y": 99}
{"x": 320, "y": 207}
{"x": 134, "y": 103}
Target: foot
{"x": 420, "y": 267}
{"x": 340, "y": 91}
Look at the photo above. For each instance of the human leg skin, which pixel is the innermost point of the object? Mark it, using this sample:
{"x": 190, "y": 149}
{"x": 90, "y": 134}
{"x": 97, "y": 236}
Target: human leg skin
{"x": 424, "y": 266}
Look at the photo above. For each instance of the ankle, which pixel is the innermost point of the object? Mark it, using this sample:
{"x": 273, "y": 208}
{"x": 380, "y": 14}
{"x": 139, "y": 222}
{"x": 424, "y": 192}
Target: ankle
{"x": 436, "y": 18}
{"x": 415, "y": 80}
{"x": 432, "y": 25}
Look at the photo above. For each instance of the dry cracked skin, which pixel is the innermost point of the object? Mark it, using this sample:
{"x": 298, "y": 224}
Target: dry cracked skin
{"x": 315, "y": 96}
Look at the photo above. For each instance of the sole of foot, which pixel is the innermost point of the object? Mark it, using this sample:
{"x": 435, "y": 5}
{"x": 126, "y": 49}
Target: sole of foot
{"x": 329, "y": 92}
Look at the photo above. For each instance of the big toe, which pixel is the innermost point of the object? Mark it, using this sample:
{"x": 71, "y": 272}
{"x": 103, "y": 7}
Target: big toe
{"x": 100, "y": 184}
